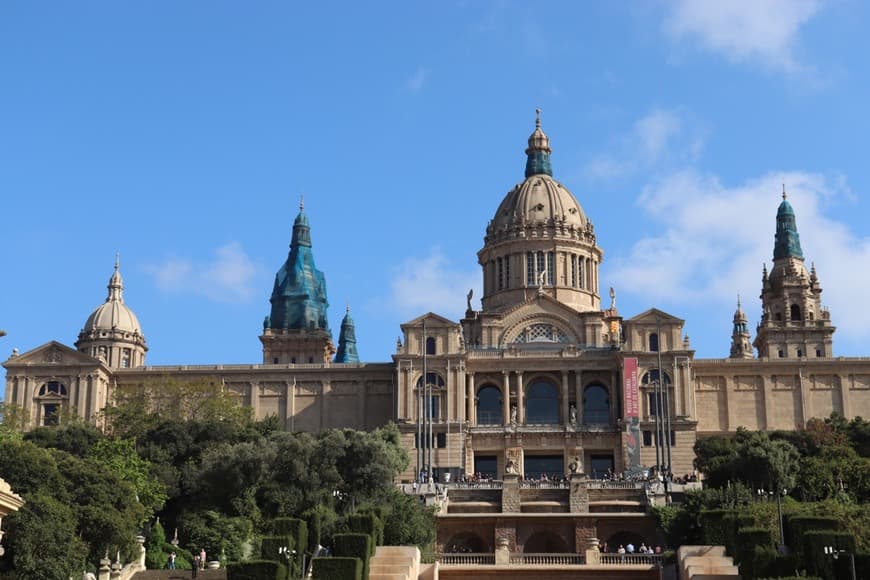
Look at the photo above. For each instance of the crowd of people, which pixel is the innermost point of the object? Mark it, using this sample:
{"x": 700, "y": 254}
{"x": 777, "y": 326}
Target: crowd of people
{"x": 630, "y": 548}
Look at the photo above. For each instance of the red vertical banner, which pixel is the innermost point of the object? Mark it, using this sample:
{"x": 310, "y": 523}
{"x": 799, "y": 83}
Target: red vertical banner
{"x": 629, "y": 390}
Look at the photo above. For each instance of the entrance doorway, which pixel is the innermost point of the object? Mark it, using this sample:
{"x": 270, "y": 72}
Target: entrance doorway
{"x": 486, "y": 465}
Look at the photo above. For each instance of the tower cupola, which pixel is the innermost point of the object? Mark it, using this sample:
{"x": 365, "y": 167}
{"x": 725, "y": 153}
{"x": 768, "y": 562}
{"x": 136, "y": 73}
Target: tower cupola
{"x": 538, "y": 152}
{"x": 347, "y": 352}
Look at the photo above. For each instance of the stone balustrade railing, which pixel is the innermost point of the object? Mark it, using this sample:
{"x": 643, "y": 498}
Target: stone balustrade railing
{"x": 522, "y": 559}
{"x": 527, "y": 559}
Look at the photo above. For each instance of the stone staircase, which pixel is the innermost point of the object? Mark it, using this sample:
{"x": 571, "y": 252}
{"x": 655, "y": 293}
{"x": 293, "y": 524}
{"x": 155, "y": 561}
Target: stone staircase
{"x": 400, "y": 563}
{"x": 180, "y": 575}
{"x": 705, "y": 563}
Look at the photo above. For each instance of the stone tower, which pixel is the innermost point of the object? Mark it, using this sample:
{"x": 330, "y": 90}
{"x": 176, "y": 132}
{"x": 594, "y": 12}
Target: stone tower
{"x": 741, "y": 344}
{"x": 793, "y": 322}
{"x": 297, "y": 330}
{"x": 112, "y": 332}
{"x": 347, "y": 352}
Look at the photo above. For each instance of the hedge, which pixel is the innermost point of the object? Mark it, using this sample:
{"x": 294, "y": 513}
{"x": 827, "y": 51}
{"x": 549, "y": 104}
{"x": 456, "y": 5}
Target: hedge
{"x": 257, "y": 570}
{"x": 295, "y": 528}
{"x": 796, "y": 526}
{"x": 335, "y": 569}
{"x": 370, "y": 524}
{"x": 814, "y": 542}
{"x": 718, "y": 528}
{"x": 270, "y": 548}
{"x": 354, "y": 546}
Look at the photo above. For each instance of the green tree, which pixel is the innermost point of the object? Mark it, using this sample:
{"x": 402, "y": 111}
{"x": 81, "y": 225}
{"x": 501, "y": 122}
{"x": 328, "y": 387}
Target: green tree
{"x": 408, "y": 522}
{"x": 75, "y": 437}
{"x": 120, "y": 457}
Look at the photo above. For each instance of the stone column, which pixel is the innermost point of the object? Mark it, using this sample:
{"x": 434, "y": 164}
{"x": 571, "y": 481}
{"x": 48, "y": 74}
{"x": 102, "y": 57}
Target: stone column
{"x": 506, "y": 397}
{"x": 578, "y": 499}
{"x": 254, "y": 392}
{"x": 510, "y": 493}
{"x": 469, "y": 399}
{"x": 502, "y": 552}
{"x": 593, "y": 554}
{"x": 565, "y": 408}
{"x": 325, "y": 388}
{"x": 578, "y": 395}
{"x": 845, "y": 400}
{"x": 521, "y": 399}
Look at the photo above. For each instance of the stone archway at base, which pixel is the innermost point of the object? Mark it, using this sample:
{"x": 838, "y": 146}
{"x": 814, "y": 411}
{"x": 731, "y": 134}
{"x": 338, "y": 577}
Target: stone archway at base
{"x": 546, "y": 542}
{"x": 466, "y": 542}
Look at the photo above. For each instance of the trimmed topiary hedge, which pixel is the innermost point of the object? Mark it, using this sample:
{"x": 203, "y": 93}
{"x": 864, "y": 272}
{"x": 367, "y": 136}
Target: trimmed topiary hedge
{"x": 718, "y": 528}
{"x": 796, "y": 526}
{"x": 336, "y": 569}
{"x": 354, "y": 546}
{"x": 293, "y": 527}
{"x": 370, "y": 524}
{"x": 257, "y": 570}
{"x": 270, "y": 546}
{"x": 814, "y": 542}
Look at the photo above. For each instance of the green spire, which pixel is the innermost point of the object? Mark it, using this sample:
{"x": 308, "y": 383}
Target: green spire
{"x": 787, "y": 242}
{"x": 299, "y": 295}
{"x": 347, "y": 352}
{"x": 538, "y": 152}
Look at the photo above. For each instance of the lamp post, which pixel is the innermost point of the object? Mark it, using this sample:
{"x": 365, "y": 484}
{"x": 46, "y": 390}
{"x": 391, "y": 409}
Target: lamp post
{"x": 779, "y": 493}
{"x": 835, "y": 554}
{"x": 287, "y": 553}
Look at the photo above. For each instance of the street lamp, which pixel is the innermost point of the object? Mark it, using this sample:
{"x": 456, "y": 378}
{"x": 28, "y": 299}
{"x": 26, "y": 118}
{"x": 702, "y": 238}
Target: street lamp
{"x": 835, "y": 554}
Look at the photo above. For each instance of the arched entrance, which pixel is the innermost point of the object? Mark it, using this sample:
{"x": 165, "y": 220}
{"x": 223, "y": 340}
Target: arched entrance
{"x": 624, "y": 538}
{"x": 546, "y": 542}
{"x": 466, "y": 543}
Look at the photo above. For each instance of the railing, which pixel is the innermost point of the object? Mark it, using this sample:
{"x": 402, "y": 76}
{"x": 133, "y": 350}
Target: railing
{"x": 518, "y": 558}
{"x": 604, "y": 484}
{"x": 482, "y": 484}
{"x": 535, "y": 484}
{"x": 465, "y": 559}
{"x": 523, "y": 559}
{"x": 632, "y": 559}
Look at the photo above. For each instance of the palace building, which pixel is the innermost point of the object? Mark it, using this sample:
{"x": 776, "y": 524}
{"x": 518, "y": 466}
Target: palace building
{"x": 547, "y": 370}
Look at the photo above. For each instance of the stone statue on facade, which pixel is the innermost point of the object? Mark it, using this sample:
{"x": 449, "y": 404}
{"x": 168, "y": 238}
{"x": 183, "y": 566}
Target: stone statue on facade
{"x": 513, "y": 414}
{"x": 576, "y": 466}
{"x": 572, "y": 416}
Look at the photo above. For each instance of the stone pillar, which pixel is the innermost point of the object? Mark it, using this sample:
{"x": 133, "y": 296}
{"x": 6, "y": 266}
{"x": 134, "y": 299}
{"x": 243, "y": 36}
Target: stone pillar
{"x": 254, "y": 390}
{"x": 578, "y": 395}
{"x": 578, "y": 498}
{"x": 469, "y": 399}
{"x": 521, "y": 399}
{"x": 565, "y": 417}
{"x": 845, "y": 400}
{"x": 510, "y": 493}
{"x": 502, "y": 552}
{"x": 105, "y": 569}
{"x": 593, "y": 554}
{"x": 506, "y": 397}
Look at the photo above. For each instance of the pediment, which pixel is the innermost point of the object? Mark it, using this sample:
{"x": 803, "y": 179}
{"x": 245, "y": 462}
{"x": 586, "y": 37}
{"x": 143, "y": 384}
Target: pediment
{"x": 545, "y": 318}
{"x": 654, "y": 315}
{"x": 52, "y": 353}
{"x": 431, "y": 319}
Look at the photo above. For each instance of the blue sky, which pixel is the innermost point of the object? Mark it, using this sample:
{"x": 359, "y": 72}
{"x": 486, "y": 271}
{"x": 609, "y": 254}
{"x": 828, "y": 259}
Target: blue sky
{"x": 181, "y": 134}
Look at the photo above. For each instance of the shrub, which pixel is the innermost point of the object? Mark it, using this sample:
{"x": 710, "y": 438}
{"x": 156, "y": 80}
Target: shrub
{"x": 256, "y": 570}
{"x": 718, "y": 528}
{"x": 750, "y": 538}
{"x": 798, "y": 525}
{"x": 336, "y": 569}
{"x": 814, "y": 542}
{"x": 354, "y": 546}
{"x": 155, "y": 558}
{"x": 271, "y": 546}
{"x": 369, "y": 524}
{"x": 295, "y": 528}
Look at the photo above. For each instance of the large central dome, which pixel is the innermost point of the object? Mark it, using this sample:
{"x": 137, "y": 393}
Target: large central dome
{"x": 540, "y": 241}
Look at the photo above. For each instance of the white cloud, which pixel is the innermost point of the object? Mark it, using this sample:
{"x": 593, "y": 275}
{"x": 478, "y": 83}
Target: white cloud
{"x": 432, "y": 284}
{"x": 228, "y": 277}
{"x": 417, "y": 80}
{"x": 662, "y": 136}
{"x": 713, "y": 240}
{"x": 744, "y": 30}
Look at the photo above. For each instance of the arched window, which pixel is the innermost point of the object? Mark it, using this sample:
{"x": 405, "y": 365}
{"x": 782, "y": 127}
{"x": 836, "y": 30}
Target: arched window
{"x": 596, "y": 405}
{"x": 795, "y": 312}
{"x": 430, "y": 345}
{"x": 542, "y": 404}
{"x": 433, "y": 403}
{"x": 489, "y": 406}
{"x": 656, "y": 400}
{"x": 654, "y": 342}
{"x": 52, "y": 388}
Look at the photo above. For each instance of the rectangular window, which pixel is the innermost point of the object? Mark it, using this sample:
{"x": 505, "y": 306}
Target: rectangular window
{"x": 573, "y": 260}
{"x": 507, "y": 271}
{"x": 441, "y": 440}
{"x": 647, "y": 438}
{"x": 580, "y": 272}
{"x": 551, "y": 269}
{"x": 530, "y": 269}
{"x": 541, "y": 265}
{"x": 500, "y": 267}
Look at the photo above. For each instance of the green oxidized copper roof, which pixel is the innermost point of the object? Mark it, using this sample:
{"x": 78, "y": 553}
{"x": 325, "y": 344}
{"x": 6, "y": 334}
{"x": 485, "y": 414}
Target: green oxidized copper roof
{"x": 299, "y": 295}
{"x": 787, "y": 242}
{"x": 347, "y": 352}
{"x": 538, "y": 152}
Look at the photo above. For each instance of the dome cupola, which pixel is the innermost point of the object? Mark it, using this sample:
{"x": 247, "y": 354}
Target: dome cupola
{"x": 112, "y": 332}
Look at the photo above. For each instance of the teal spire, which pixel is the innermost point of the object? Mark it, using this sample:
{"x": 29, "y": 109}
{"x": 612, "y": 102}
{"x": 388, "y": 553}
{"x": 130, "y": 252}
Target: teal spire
{"x": 347, "y": 341}
{"x": 299, "y": 295}
{"x": 538, "y": 152}
{"x": 787, "y": 242}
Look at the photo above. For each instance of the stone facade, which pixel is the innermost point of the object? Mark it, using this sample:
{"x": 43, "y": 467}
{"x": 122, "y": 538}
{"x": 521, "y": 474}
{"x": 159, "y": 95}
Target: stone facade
{"x": 533, "y": 379}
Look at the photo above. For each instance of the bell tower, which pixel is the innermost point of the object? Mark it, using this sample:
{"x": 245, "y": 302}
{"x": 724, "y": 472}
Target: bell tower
{"x": 793, "y": 322}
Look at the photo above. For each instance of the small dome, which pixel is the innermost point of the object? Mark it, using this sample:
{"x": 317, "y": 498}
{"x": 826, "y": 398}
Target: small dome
{"x": 113, "y": 314}
{"x": 539, "y": 199}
